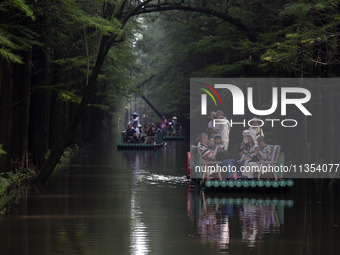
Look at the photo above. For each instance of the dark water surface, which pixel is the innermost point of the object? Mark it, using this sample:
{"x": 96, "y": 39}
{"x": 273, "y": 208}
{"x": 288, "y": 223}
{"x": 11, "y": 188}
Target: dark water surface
{"x": 139, "y": 202}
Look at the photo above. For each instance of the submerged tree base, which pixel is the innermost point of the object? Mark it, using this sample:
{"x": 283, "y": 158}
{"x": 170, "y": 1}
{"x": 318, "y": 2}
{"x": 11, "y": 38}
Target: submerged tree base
{"x": 11, "y": 185}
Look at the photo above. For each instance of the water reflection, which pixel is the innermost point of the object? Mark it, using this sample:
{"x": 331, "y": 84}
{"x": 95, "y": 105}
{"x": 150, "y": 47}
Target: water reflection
{"x": 139, "y": 202}
{"x": 256, "y": 220}
{"x": 139, "y": 237}
{"x": 251, "y": 217}
{"x": 213, "y": 225}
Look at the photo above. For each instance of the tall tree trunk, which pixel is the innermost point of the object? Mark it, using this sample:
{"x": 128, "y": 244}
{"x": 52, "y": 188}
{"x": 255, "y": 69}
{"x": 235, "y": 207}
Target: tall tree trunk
{"x": 39, "y": 110}
{"x": 17, "y": 125}
{"x": 6, "y": 83}
{"x": 328, "y": 134}
{"x": 26, "y": 89}
{"x": 301, "y": 155}
{"x": 57, "y": 112}
{"x": 337, "y": 123}
{"x": 336, "y": 71}
{"x": 315, "y": 125}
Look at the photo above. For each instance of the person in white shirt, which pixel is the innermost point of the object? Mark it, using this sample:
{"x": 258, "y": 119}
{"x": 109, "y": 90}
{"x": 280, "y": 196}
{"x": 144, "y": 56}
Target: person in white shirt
{"x": 211, "y": 122}
{"x": 135, "y": 118}
{"x": 136, "y": 129}
{"x": 256, "y": 127}
{"x": 223, "y": 129}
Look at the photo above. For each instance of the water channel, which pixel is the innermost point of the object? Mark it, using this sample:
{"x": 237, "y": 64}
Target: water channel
{"x": 139, "y": 202}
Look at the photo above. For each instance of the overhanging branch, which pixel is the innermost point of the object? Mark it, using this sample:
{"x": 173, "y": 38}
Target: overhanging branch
{"x": 162, "y": 7}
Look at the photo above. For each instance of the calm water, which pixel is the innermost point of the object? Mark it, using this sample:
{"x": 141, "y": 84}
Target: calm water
{"x": 139, "y": 202}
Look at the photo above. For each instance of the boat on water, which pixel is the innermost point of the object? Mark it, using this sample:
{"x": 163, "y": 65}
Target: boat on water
{"x": 153, "y": 143}
{"x": 231, "y": 179}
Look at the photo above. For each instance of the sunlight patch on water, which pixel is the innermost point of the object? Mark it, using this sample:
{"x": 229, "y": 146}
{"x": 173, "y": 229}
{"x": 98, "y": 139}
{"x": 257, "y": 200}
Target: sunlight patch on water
{"x": 139, "y": 237}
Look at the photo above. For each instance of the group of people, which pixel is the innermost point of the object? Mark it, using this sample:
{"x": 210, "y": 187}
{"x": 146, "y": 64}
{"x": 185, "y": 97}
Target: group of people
{"x": 170, "y": 127}
{"x": 136, "y": 133}
{"x": 213, "y": 144}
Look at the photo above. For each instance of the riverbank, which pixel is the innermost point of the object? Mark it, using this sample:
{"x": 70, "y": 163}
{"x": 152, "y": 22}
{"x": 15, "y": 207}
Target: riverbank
{"x": 14, "y": 182}
{"x": 10, "y": 188}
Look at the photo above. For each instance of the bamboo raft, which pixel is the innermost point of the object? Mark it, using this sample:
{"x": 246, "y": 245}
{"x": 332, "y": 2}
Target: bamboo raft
{"x": 248, "y": 184}
{"x": 222, "y": 182}
{"x": 157, "y": 143}
{"x": 174, "y": 137}
{"x": 139, "y": 146}
{"x": 178, "y": 136}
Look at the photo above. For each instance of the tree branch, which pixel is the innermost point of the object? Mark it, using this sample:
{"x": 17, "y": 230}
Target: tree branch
{"x": 170, "y": 7}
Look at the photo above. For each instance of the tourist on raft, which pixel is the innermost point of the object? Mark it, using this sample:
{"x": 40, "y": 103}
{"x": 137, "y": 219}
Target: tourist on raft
{"x": 216, "y": 154}
{"x": 255, "y": 124}
{"x": 206, "y": 153}
{"x": 247, "y": 147}
{"x": 164, "y": 125}
{"x": 134, "y": 119}
{"x": 222, "y": 129}
{"x": 262, "y": 153}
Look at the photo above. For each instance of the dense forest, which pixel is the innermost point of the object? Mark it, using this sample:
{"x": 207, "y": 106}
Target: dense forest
{"x": 68, "y": 68}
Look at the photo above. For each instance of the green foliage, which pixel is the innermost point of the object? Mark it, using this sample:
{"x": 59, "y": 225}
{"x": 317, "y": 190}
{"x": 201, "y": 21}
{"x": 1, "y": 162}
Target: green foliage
{"x": 13, "y": 35}
{"x": 66, "y": 23}
{"x": 10, "y": 179}
{"x": 310, "y": 36}
{"x": 69, "y": 153}
{"x": 9, "y": 56}
{"x": 10, "y": 189}
{"x": 4, "y": 184}
{"x": 9, "y": 200}
{"x": 88, "y": 12}
{"x": 2, "y": 152}
{"x": 68, "y": 95}
{"x": 19, "y": 5}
